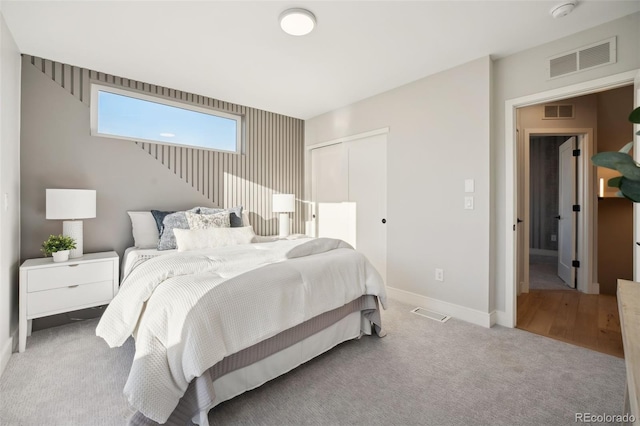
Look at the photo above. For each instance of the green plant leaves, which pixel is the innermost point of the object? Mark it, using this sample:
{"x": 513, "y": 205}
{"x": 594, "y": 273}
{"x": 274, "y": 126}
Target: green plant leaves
{"x": 630, "y": 189}
{"x": 57, "y": 243}
{"x": 618, "y": 161}
{"x": 634, "y": 117}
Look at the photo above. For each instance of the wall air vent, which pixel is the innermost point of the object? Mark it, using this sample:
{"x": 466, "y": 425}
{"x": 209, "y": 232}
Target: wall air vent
{"x": 430, "y": 314}
{"x": 558, "y": 112}
{"x": 584, "y": 58}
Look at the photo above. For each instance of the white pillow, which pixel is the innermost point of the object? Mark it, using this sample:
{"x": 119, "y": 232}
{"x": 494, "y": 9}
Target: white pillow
{"x": 196, "y": 239}
{"x": 245, "y": 218}
{"x": 144, "y": 229}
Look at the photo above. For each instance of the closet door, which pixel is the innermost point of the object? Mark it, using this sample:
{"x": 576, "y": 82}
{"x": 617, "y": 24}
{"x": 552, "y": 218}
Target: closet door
{"x": 349, "y": 190}
{"x": 368, "y": 191}
{"x": 330, "y": 193}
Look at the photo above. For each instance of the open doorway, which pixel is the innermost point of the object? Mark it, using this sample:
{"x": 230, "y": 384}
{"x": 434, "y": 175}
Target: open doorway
{"x": 590, "y": 228}
{"x": 553, "y": 184}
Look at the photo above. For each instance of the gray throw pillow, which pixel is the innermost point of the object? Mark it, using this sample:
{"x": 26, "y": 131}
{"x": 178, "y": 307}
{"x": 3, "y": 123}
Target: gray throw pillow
{"x": 169, "y": 223}
{"x": 235, "y": 216}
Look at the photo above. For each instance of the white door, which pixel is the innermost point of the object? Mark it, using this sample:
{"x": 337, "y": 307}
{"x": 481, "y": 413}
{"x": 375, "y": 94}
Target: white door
{"x": 368, "y": 191}
{"x": 349, "y": 193}
{"x": 566, "y": 216}
{"x": 330, "y": 192}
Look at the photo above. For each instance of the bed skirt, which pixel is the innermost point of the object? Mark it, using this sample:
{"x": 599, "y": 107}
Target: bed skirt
{"x": 200, "y": 395}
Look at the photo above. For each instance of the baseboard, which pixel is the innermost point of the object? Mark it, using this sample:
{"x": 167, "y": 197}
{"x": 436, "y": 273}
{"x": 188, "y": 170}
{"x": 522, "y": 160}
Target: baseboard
{"x": 7, "y": 349}
{"x": 455, "y": 311}
{"x": 502, "y": 319}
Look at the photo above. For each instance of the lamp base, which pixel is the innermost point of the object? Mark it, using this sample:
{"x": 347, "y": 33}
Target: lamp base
{"x": 73, "y": 229}
{"x": 284, "y": 225}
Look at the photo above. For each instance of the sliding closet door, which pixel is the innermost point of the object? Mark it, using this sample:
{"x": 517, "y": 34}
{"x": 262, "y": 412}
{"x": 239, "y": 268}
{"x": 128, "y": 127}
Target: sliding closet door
{"x": 368, "y": 191}
{"x": 349, "y": 190}
{"x": 330, "y": 193}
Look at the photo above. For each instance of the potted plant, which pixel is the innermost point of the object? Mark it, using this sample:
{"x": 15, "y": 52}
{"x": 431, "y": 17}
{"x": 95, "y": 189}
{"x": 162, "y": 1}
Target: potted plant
{"x": 58, "y": 246}
{"x": 629, "y": 182}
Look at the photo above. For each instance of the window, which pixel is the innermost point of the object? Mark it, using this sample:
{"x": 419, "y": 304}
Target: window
{"x": 123, "y": 114}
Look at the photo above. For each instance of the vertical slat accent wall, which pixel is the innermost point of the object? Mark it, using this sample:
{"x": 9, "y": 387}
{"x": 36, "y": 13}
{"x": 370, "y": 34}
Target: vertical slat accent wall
{"x": 272, "y": 153}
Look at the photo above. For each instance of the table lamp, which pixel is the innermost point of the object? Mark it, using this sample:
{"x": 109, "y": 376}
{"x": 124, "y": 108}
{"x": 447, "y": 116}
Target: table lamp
{"x": 284, "y": 204}
{"x": 70, "y": 205}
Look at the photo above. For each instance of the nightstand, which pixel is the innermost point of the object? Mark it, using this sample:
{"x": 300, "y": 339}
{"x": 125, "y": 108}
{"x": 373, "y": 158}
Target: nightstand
{"x": 48, "y": 288}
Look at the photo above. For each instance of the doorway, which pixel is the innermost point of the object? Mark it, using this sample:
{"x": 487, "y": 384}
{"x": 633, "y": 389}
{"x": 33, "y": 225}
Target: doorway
{"x": 553, "y": 183}
{"x": 584, "y": 317}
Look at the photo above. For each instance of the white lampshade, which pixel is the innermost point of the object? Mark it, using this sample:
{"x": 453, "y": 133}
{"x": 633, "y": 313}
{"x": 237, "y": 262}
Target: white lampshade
{"x": 71, "y": 203}
{"x": 283, "y": 203}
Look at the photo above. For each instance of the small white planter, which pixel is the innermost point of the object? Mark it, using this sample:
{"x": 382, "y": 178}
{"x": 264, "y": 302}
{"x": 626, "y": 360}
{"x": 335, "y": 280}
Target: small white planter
{"x": 60, "y": 256}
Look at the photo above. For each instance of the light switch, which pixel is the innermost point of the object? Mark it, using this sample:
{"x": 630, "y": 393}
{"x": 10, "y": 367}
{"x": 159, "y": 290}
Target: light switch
{"x": 469, "y": 185}
{"x": 468, "y": 203}
{"x": 5, "y": 201}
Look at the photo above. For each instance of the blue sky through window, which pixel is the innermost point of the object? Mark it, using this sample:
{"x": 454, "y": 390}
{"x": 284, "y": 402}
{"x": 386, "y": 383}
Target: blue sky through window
{"x": 128, "y": 117}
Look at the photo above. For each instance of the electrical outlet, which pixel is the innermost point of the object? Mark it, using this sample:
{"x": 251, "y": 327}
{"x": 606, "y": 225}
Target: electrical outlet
{"x": 554, "y": 237}
{"x": 439, "y": 274}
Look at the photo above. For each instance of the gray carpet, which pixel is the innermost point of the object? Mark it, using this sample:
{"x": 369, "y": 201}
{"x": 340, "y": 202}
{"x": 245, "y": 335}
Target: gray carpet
{"x": 543, "y": 273}
{"x": 422, "y": 373}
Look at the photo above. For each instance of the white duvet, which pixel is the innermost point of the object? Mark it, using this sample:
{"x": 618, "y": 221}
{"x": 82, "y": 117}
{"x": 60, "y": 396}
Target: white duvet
{"x": 189, "y": 310}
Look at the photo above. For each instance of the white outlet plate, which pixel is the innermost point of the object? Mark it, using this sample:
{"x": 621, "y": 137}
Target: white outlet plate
{"x": 439, "y": 274}
{"x": 554, "y": 238}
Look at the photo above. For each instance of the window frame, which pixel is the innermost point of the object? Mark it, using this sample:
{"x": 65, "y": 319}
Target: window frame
{"x": 132, "y": 93}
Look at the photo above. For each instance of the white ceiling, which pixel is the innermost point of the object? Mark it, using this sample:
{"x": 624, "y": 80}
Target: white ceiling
{"x": 236, "y": 52}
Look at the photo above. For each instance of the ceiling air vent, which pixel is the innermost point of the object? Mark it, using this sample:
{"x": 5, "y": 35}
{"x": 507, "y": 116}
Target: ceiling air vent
{"x": 558, "y": 112}
{"x": 584, "y": 58}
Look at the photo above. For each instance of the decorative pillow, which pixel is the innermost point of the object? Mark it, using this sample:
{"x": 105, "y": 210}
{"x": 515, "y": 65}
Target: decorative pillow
{"x": 197, "y": 239}
{"x": 245, "y": 218}
{"x": 235, "y": 214}
{"x": 206, "y": 221}
{"x": 144, "y": 230}
{"x": 159, "y": 216}
{"x": 171, "y": 221}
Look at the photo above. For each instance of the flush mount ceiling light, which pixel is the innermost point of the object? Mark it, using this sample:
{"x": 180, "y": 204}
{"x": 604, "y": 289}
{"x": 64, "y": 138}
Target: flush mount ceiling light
{"x": 297, "y": 22}
{"x": 562, "y": 9}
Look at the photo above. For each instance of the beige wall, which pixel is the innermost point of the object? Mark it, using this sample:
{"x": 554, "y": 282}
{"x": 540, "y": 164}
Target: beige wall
{"x": 9, "y": 188}
{"x": 615, "y": 216}
{"x": 59, "y": 152}
{"x": 439, "y": 136}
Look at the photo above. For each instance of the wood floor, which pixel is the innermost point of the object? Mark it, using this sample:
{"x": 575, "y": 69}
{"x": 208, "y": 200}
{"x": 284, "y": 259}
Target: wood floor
{"x": 587, "y": 320}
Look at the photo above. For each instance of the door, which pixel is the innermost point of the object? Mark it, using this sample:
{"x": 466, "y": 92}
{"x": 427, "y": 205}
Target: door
{"x": 566, "y": 216}
{"x": 349, "y": 194}
{"x": 330, "y": 193}
{"x": 368, "y": 191}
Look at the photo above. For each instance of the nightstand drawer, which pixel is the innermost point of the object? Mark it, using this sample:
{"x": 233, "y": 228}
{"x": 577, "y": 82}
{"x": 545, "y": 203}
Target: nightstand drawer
{"x": 67, "y": 275}
{"x": 67, "y": 298}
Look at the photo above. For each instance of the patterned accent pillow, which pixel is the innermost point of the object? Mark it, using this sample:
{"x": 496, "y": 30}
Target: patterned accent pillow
{"x": 206, "y": 221}
{"x": 169, "y": 223}
{"x": 159, "y": 216}
{"x": 235, "y": 214}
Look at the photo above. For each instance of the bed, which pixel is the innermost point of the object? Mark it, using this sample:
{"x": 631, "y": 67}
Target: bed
{"x": 210, "y": 324}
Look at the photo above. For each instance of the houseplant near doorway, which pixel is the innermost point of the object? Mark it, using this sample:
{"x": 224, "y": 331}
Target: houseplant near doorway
{"x": 58, "y": 246}
{"x": 629, "y": 182}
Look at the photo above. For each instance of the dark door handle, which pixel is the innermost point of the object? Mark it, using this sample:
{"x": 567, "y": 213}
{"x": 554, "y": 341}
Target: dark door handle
{"x": 384, "y": 220}
{"x": 520, "y": 220}
{"x": 558, "y": 217}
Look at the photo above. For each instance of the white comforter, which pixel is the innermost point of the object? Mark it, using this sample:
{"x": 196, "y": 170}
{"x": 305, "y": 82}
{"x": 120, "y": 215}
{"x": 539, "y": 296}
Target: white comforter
{"x": 189, "y": 310}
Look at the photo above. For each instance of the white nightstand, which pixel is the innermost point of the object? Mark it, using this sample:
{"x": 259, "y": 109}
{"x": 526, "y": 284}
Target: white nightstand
{"x": 48, "y": 288}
